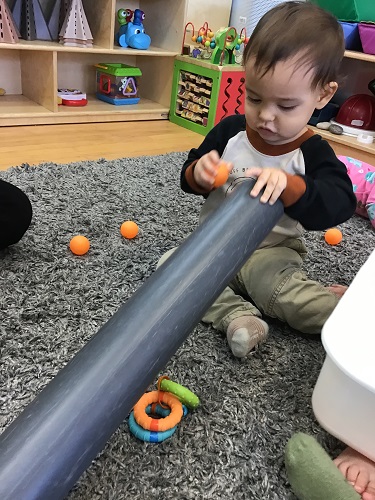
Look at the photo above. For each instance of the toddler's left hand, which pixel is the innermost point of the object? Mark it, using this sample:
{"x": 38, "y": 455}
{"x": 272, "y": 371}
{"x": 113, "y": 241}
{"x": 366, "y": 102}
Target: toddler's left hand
{"x": 273, "y": 179}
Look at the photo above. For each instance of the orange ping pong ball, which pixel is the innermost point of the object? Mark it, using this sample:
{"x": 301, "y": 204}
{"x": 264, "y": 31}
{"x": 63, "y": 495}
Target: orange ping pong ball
{"x": 129, "y": 229}
{"x": 221, "y": 176}
{"x": 333, "y": 236}
{"x": 79, "y": 245}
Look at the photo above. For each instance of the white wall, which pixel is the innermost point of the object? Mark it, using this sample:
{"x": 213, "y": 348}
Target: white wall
{"x": 246, "y": 13}
{"x": 215, "y": 12}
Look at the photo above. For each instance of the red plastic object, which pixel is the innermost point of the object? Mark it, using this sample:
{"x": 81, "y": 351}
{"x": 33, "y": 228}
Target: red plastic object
{"x": 68, "y": 102}
{"x": 358, "y": 111}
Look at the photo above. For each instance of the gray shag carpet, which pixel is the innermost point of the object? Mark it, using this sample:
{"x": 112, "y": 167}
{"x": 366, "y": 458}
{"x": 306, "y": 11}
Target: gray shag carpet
{"x": 52, "y": 302}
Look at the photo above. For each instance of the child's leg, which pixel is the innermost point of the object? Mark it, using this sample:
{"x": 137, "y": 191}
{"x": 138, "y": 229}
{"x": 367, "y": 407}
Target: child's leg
{"x": 275, "y": 281}
{"x": 359, "y": 472}
{"x": 311, "y": 472}
{"x": 15, "y": 214}
{"x": 232, "y": 314}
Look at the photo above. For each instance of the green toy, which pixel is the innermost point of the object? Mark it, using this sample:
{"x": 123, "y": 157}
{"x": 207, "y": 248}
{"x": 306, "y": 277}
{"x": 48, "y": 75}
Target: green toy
{"x": 186, "y": 397}
{"x": 312, "y": 473}
{"x": 226, "y": 41}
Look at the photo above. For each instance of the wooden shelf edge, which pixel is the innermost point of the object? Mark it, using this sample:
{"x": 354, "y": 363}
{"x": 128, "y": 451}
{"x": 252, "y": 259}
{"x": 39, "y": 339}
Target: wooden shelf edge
{"x": 18, "y": 110}
{"x": 44, "y": 46}
{"x": 57, "y": 119}
{"x": 345, "y": 140}
{"x": 361, "y": 56}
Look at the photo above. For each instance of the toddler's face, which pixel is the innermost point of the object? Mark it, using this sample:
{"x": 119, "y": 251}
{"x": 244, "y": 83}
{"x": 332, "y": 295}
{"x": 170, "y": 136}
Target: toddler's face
{"x": 280, "y": 103}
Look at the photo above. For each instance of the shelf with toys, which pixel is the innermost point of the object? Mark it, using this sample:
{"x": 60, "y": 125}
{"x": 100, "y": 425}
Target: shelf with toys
{"x": 358, "y": 70}
{"x": 31, "y": 70}
{"x": 208, "y": 80}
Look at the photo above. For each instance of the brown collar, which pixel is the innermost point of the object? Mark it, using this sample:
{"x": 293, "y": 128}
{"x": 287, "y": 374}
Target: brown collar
{"x": 275, "y": 149}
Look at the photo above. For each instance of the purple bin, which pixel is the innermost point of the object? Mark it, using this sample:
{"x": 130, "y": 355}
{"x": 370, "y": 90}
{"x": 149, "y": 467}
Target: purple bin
{"x": 367, "y": 34}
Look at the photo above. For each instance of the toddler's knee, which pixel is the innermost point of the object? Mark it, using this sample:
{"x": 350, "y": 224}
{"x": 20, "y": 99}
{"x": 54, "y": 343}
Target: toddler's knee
{"x": 304, "y": 304}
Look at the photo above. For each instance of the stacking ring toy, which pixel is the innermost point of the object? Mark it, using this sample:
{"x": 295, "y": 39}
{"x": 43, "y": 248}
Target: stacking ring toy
{"x": 186, "y": 397}
{"x": 154, "y": 424}
{"x": 150, "y": 436}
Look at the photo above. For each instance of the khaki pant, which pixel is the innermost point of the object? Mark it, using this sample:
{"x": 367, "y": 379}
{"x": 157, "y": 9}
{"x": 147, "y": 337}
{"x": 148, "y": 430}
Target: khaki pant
{"x": 273, "y": 280}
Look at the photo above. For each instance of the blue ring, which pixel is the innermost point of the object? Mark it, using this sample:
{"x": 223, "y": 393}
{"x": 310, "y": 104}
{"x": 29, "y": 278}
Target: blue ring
{"x": 151, "y": 436}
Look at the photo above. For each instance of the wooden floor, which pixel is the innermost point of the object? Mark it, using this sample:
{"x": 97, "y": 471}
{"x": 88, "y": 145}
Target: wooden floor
{"x": 91, "y": 141}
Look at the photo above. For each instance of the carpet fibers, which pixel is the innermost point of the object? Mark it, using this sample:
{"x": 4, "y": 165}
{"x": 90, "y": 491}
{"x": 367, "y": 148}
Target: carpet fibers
{"x": 52, "y": 302}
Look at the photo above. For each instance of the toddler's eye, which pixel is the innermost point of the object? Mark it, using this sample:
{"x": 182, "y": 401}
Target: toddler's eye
{"x": 287, "y": 108}
{"x": 253, "y": 100}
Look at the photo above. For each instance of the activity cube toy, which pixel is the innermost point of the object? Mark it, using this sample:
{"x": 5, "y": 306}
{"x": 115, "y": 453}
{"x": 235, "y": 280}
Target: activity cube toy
{"x": 204, "y": 93}
{"x": 116, "y": 83}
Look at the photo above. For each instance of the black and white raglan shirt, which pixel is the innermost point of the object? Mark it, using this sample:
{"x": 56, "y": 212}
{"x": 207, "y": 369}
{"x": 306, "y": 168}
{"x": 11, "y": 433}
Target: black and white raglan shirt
{"x": 319, "y": 192}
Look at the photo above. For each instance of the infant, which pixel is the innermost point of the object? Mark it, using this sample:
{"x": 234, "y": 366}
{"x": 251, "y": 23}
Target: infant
{"x": 362, "y": 176}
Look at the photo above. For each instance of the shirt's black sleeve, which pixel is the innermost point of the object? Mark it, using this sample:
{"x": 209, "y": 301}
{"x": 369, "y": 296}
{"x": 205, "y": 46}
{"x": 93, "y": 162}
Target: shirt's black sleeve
{"x": 329, "y": 199}
{"x": 217, "y": 138}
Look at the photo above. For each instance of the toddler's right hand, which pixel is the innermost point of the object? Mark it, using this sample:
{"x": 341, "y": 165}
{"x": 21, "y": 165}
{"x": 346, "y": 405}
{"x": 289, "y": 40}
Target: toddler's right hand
{"x": 206, "y": 168}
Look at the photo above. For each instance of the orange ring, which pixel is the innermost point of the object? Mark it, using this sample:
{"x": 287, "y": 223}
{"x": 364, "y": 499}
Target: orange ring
{"x": 158, "y": 424}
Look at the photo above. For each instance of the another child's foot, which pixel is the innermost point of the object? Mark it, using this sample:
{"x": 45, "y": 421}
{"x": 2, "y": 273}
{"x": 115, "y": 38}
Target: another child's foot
{"x": 359, "y": 472}
{"x": 245, "y": 333}
{"x": 338, "y": 290}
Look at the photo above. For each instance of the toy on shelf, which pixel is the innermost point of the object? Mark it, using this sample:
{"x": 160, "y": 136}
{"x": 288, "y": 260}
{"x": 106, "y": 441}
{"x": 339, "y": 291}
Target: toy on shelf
{"x": 116, "y": 83}
{"x": 71, "y": 97}
{"x": 8, "y": 30}
{"x": 57, "y": 17}
{"x": 156, "y": 415}
{"x": 29, "y": 19}
{"x": 131, "y": 32}
{"x": 223, "y": 47}
{"x": 75, "y": 31}
{"x": 203, "y": 93}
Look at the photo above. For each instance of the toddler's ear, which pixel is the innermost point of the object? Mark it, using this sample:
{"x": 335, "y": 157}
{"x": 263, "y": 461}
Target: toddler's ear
{"x": 326, "y": 93}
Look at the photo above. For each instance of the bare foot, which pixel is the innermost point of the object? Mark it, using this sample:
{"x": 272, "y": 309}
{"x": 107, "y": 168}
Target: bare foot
{"x": 359, "y": 471}
{"x": 338, "y": 290}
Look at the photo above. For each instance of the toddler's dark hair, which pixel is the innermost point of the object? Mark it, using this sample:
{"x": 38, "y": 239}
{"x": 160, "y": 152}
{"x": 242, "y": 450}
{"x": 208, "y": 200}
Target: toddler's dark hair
{"x": 302, "y": 28}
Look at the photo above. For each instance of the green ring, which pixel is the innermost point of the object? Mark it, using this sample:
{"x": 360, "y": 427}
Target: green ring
{"x": 186, "y": 397}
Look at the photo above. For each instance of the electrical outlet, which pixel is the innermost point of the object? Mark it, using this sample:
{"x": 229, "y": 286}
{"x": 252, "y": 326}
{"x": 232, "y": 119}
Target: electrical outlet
{"x": 243, "y": 19}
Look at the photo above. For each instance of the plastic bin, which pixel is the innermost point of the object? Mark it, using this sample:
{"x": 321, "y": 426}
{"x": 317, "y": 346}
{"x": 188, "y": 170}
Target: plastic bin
{"x": 351, "y": 35}
{"x": 349, "y": 10}
{"x": 367, "y": 34}
{"x": 344, "y": 395}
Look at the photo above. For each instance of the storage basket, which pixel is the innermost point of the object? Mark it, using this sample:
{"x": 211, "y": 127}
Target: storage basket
{"x": 351, "y": 35}
{"x": 367, "y": 34}
{"x": 349, "y": 10}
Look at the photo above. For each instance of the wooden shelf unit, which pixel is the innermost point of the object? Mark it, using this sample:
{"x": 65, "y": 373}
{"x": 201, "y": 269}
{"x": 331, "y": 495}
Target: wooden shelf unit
{"x": 31, "y": 71}
{"x": 345, "y": 144}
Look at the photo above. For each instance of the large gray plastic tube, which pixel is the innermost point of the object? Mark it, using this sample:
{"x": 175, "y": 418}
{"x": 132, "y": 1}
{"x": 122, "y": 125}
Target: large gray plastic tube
{"x": 46, "y": 449}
